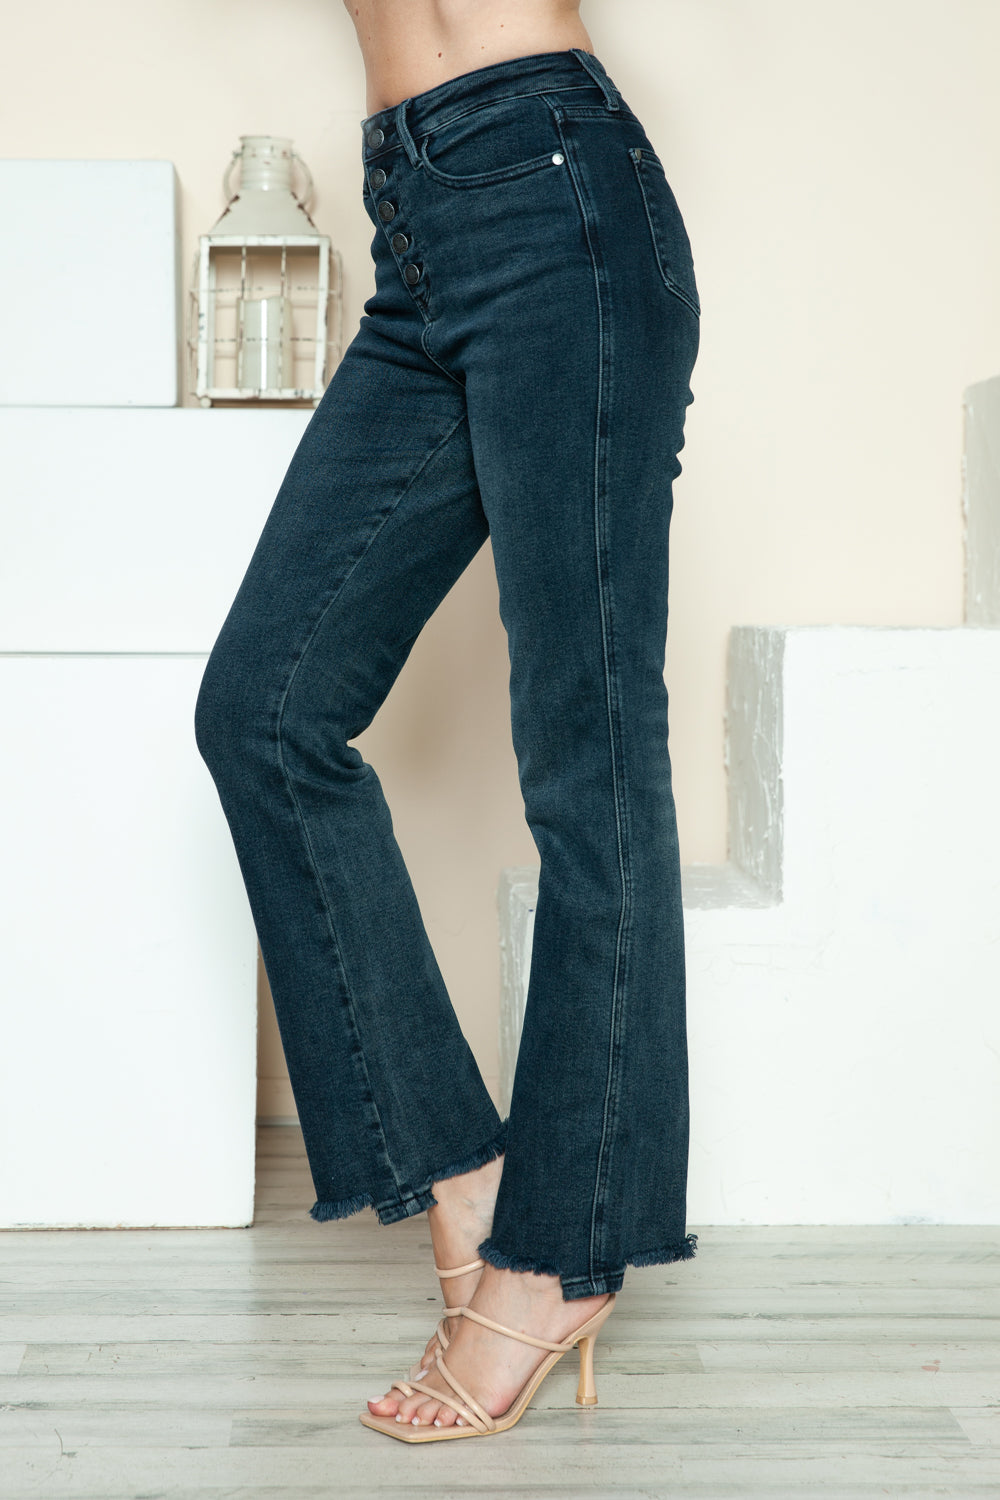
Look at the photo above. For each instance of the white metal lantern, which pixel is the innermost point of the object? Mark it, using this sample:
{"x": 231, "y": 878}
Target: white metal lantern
{"x": 266, "y": 304}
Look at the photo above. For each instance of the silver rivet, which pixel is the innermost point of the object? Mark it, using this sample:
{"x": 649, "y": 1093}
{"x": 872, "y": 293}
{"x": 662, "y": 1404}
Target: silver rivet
{"x": 558, "y": 159}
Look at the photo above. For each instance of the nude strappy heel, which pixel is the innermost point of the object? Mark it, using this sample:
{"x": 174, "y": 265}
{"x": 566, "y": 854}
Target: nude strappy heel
{"x": 480, "y": 1423}
{"x": 450, "y": 1312}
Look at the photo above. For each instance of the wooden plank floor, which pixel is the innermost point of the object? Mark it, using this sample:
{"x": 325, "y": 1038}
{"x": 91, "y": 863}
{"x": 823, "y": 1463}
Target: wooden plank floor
{"x": 847, "y": 1361}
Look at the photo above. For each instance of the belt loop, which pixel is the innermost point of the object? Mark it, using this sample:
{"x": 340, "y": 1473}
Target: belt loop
{"x": 404, "y": 135}
{"x": 597, "y": 73}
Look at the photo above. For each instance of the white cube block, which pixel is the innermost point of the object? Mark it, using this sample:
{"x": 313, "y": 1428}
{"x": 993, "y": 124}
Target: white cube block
{"x": 90, "y": 313}
{"x": 128, "y": 1004}
{"x": 131, "y": 530}
{"x": 842, "y": 985}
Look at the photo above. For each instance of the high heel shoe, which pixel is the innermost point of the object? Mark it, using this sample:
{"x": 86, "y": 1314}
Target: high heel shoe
{"x": 480, "y": 1423}
{"x": 441, "y": 1333}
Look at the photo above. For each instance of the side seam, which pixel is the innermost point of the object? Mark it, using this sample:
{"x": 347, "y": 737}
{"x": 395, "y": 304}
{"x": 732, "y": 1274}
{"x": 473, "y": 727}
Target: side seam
{"x": 611, "y": 1089}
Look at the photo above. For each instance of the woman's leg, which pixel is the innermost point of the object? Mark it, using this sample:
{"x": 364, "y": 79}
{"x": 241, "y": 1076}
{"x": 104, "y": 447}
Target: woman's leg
{"x": 565, "y": 301}
{"x": 378, "y": 514}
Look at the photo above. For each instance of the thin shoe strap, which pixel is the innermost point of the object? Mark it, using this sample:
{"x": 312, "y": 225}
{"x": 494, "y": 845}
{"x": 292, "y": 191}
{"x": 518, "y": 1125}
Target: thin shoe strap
{"x": 409, "y": 1386}
{"x": 487, "y": 1423}
{"x": 473, "y": 1265}
{"x": 512, "y": 1333}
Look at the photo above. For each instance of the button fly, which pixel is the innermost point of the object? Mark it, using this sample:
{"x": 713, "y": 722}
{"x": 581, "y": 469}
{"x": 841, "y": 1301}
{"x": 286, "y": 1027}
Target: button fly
{"x": 386, "y": 211}
{"x": 400, "y": 243}
{"x": 378, "y": 178}
{"x": 411, "y": 275}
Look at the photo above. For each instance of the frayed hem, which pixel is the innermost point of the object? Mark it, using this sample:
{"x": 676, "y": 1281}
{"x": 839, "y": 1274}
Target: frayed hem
{"x": 492, "y": 1148}
{"x": 684, "y": 1251}
{"x": 415, "y": 1203}
{"x": 574, "y": 1287}
{"x": 321, "y": 1212}
{"x": 502, "y": 1262}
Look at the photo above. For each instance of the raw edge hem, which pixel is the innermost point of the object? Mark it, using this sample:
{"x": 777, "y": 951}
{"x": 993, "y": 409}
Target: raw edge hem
{"x": 391, "y": 1213}
{"x": 342, "y": 1210}
{"x": 495, "y": 1257}
{"x": 684, "y": 1251}
{"x": 578, "y": 1287}
{"x": 491, "y": 1149}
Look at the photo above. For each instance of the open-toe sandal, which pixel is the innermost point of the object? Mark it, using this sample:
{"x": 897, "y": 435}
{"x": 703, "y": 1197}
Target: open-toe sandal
{"x": 478, "y": 1421}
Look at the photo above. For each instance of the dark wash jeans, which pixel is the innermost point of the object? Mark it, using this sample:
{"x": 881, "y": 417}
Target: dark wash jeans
{"x": 520, "y": 373}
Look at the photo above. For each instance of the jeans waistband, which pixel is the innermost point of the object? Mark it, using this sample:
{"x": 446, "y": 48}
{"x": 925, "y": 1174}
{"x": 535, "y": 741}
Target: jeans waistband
{"x": 540, "y": 72}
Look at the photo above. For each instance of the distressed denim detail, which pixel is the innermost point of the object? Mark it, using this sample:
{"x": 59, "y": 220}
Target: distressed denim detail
{"x": 342, "y": 1210}
{"x": 519, "y": 376}
{"x": 414, "y": 1203}
{"x": 573, "y": 1288}
{"x": 684, "y": 1251}
{"x": 495, "y": 1257}
{"x": 598, "y": 1282}
{"x": 478, "y": 1158}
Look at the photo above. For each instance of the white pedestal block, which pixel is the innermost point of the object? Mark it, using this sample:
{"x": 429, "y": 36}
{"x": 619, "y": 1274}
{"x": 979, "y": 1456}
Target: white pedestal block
{"x": 842, "y": 987}
{"x": 128, "y": 1065}
{"x": 89, "y": 263}
{"x": 128, "y": 1006}
{"x": 131, "y": 530}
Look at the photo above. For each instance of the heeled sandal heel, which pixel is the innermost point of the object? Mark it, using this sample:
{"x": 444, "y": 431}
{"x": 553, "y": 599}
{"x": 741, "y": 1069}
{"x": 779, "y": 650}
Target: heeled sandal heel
{"x": 478, "y": 1420}
{"x": 586, "y": 1390}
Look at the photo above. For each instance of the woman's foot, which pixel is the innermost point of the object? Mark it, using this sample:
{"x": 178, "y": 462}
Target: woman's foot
{"x": 459, "y": 1221}
{"x": 490, "y": 1365}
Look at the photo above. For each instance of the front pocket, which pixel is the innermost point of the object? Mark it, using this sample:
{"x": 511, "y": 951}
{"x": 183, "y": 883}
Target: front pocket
{"x": 495, "y": 143}
{"x": 666, "y": 227}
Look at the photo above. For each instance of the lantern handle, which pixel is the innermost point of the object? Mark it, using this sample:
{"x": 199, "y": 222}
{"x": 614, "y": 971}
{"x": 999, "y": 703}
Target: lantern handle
{"x": 227, "y": 192}
{"x": 302, "y": 201}
{"x": 306, "y": 197}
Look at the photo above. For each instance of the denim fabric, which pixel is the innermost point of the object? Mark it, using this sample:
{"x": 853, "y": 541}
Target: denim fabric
{"x": 520, "y": 373}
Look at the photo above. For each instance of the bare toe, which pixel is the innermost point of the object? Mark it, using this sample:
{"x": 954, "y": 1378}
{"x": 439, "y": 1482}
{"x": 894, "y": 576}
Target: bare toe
{"x": 432, "y": 1348}
{"x": 426, "y": 1413}
{"x": 409, "y": 1404}
{"x": 383, "y": 1406}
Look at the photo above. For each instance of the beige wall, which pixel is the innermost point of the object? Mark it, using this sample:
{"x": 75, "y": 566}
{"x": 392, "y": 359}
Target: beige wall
{"x": 838, "y": 168}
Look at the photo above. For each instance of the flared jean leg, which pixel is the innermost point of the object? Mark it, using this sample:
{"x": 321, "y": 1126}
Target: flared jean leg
{"x": 377, "y": 516}
{"x": 577, "y": 362}
{"x": 597, "y": 1144}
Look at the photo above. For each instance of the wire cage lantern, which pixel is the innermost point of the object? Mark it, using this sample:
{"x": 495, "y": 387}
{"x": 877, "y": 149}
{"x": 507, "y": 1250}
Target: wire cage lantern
{"x": 266, "y": 304}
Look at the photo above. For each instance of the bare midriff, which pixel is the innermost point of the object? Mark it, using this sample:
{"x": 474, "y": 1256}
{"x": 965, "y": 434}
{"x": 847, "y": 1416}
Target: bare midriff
{"x": 410, "y": 46}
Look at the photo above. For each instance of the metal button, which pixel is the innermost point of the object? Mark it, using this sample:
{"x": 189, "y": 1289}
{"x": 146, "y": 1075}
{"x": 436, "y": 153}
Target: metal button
{"x": 378, "y": 178}
{"x": 386, "y": 211}
{"x": 411, "y": 275}
{"x": 400, "y": 243}
{"x": 558, "y": 159}
{"x": 375, "y": 139}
